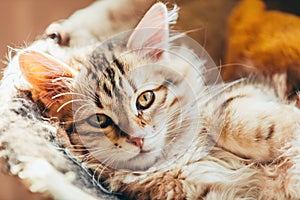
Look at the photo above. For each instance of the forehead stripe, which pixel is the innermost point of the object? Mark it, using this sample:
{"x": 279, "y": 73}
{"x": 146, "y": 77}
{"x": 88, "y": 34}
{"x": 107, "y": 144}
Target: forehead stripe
{"x": 119, "y": 65}
{"x": 106, "y": 90}
{"x": 97, "y": 101}
{"x": 111, "y": 75}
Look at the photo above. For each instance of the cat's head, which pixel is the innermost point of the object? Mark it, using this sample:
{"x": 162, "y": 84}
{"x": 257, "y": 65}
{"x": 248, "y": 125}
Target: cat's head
{"x": 131, "y": 103}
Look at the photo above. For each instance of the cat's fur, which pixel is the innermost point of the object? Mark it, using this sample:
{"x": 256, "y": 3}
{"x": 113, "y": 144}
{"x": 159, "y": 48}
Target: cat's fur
{"x": 265, "y": 166}
{"x": 256, "y": 155}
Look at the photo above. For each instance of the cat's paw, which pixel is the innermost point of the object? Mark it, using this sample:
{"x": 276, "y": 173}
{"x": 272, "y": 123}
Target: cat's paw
{"x": 42, "y": 177}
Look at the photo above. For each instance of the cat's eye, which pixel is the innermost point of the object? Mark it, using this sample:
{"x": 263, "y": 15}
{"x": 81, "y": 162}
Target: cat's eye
{"x": 145, "y": 100}
{"x": 99, "y": 121}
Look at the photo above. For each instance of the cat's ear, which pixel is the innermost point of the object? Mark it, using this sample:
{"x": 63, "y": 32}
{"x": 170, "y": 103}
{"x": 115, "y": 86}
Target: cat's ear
{"x": 51, "y": 81}
{"x": 151, "y": 36}
{"x": 42, "y": 71}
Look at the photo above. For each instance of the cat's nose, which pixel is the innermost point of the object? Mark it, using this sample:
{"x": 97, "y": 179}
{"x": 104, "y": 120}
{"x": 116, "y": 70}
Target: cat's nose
{"x": 139, "y": 142}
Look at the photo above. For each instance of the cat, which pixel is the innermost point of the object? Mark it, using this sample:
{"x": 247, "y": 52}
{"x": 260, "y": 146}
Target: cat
{"x": 148, "y": 134}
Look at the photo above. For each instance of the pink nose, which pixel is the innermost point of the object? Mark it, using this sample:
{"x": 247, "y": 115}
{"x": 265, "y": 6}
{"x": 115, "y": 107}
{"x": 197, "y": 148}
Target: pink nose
{"x": 139, "y": 142}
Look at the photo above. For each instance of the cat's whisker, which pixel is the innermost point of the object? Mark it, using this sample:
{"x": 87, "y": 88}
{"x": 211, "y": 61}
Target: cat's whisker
{"x": 106, "y": 163}
{"x": 63, "y": 149}
{"x": 72, "y": 146}
{"x": 191, "y": 123}
{"x": 81, "y": 150}
{"x": 64, "y": 79}
{"x": 90, "y": 156}
{"x": 165, "y": 150}
{"x": 90, "y": 150}
{"x": 221, "y": 66}
{"x": 49, "y": 105}
{"x": 217, "y": 80}
{"x": 69, "y": 102}
{"x": 238, "y": 65}
{"x": 89, "y": 91}
{"x": 95, "y": 172}
{"x": 99, "y": 151}
{"x": 83, "y": 156}
{"x": 67, "y": 93}
{"x": 218, "y": 91}
{"x": 73, "y": 149}
{"x": 99, "y": 175}
{"x": 185, "y": 125}
{"x": 78, "y": 109}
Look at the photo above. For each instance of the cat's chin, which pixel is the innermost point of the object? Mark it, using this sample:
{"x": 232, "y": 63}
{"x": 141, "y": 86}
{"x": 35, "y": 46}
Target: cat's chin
{"x": 142, "y": 161}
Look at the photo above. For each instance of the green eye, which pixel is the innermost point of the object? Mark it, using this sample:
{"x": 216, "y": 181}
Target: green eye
{"x": 99, "y": 121}
{"x": 145, "y": 100}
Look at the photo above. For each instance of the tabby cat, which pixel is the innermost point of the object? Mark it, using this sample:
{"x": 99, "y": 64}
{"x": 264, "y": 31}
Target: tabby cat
{"x": 142, "y": 116}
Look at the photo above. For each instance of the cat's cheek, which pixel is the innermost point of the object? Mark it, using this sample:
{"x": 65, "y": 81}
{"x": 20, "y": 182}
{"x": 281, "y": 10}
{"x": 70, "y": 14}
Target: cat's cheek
{"x": 154, "y": 143}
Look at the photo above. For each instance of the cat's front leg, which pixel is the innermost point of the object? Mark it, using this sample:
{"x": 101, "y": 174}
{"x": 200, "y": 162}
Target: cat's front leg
{"x": 257, "y": 125}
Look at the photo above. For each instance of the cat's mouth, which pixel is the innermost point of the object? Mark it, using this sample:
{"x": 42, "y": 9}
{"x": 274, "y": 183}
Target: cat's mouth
{"x": 140, "y": 155}
{"x": 145, "y": 151}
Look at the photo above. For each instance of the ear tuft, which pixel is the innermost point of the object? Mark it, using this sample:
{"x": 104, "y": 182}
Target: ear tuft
{"x": 151, "y": 36}
{"x": 41, "y": 70}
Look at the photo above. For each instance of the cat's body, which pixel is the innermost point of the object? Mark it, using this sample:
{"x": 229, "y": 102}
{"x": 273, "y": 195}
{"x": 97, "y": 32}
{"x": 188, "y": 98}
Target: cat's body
{"x": 251, "y": 160}
{"x": 230, "y": 145}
